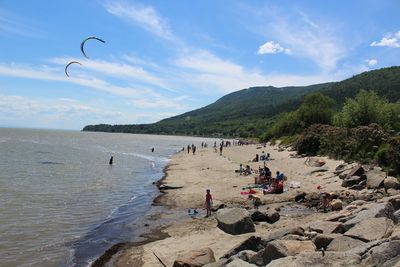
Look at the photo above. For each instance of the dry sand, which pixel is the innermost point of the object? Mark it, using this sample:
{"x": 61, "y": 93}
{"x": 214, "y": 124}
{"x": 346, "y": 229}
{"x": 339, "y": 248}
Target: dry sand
{"x": 207, "y": 169}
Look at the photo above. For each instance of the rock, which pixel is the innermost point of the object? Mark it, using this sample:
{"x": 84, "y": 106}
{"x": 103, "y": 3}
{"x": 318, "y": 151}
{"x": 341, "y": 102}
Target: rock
{"x": 323, "y": 240}
{"x": 325, "y": 227}
{"x": 169, "y": 187}
{"x": 358, "y": 202}
{"x": 391, "y": 183}
{"x": 375, "y": 179}
{"x": 235, "y": 221}
{"x": 300, "y": 197}
{"x": 395, "y": 201}
{"x": 362, "y": 249}
{"x": 252, "y": 243}
{"x": 351, "y": 180}
{"x": 218, "y": 263}
{"x": 283, "y": 232}
{"x": 372, "y": 229}
{"x": 315, "y": 162}
{"x": 258, "y": 216}
{"x": 294, "y": 237}
{"x": 239, "y": 263}
{"x": 392, "y": 192}
{"x": 357, "y": 170}
{"x": 396, "y": 233}
{"x": 344, "y": 174}
{"x": 396, "y": 216}
{"x": 374, "y": 211}
{"x": 343, "y": 243}
{"x": 273, "y": 250}
{"x": 244, "y": 255}
{"x": 385, "y": 252}
{"x": 273, "y": 216}
{"x": 195, "y": 258}
{"x": 336, "y": 204}
{"x": 315, "y": 259}
{"x": 295, "y": 247}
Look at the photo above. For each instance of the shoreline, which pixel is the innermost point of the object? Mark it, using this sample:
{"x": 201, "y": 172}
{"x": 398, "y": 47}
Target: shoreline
{"x": 148, "y": 235}
{"x": 191, "y": 175}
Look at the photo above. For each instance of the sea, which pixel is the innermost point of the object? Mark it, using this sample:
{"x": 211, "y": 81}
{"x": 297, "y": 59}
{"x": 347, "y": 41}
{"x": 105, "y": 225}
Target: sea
{"x": 63, "y": 204}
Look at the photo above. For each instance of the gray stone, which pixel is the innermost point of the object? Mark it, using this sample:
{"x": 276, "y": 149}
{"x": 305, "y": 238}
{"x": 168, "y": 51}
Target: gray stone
{"x": 343, "y": 243}
{"x": 272, "y": 216}
{"x": 218, "y": 263}
{"x": 375, "y": 179}
{"x": 239, "y": 263}
{"x": 195, "y": 258}
{"x": 244, "y": 255}
{"x": 357, "y": 170}
{"x": 258, "y": 216}
{"x": 278, "y": 234}
{"x": 362, "y": 249}
{"x": 252, "y": 243}
{"x": 374, "y": 211}
{"x": 372, "y": 229}
{"x": 323, "y": 240}
{"x": 391, "y": 183}
{"x": 325, "y": 227}
{"x": 316, "y": 259}
{"x": 336, "y": 204}
{"x": 294, "y": 237}
{"x": 351, "y": 180}
{"x": 380, "y": 254}
{"x": 274, "y": 250}
{"x": 396, "y": 216}
{"x": 235, "y": 221}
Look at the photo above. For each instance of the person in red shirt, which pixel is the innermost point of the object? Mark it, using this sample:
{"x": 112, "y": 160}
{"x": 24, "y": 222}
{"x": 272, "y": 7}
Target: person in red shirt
{"x": 208, "y": 202}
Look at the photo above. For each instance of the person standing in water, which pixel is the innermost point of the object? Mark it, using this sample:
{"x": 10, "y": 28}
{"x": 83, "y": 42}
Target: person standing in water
{"x": 152, "y": 150}
{"x": 208, "y": 202}
{"x": 111, "y": 160}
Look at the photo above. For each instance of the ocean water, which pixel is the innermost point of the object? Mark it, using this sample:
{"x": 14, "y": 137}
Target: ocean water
{"x": 62, "y": 204}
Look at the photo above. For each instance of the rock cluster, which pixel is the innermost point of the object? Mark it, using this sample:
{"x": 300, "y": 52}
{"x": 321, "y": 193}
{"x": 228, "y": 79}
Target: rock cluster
{"x": 363, "y": 233}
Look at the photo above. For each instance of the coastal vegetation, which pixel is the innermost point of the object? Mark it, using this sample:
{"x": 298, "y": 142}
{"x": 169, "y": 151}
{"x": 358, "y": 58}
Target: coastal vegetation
{"x": 355, "y": 119}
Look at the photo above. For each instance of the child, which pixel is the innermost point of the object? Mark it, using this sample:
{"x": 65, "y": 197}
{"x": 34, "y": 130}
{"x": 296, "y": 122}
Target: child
{"x": 208, "y": 203}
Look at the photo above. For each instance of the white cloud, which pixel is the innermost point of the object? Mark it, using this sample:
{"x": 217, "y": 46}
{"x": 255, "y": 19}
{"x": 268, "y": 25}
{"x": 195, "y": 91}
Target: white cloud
{"x": 161, "y": 103}
{"x": 10, "y": 23}
{"x": 272, "y": 48}
{"x": 389, "y": 40}
{"x": 116, "y": 69}
{"x": 371, "y": 62}
{"x": 45, "y": 74}
{"x": 144, "y": 16}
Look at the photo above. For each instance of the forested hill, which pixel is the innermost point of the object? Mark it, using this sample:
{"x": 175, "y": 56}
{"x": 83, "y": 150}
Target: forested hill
{"x": 245, "y": 112}
{"x": 249, "y": 112}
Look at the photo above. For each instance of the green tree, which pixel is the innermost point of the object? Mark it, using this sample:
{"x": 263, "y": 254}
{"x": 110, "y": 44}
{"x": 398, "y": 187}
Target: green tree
{"x": 316, "y": 108}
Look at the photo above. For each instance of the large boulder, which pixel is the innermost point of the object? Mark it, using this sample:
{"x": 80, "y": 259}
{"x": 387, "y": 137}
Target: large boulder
{"x": 258, "y": 216}
{"x": 357, "y": 170}
{"x": 252, "y": 243}
{"x": 383, "y": 253}
{"x": 235, "y": 221}
{"x": 281, "y": 248}
{"x": 375, "y": 178}
{"x": 372, "y": 229}
{"x": 374, "y": 211}
{"x": 278, "y": 234}
{"x": 324, "y": 227}
{"x": 195, "y": 258}
{"x": 274, "y": 250}
{"x": 244, "y": 255}
{"x": 343, "y": 243}
{"x": 391, "y": 183}
{"x": 272, "y": 216}
{"x": 316, "y": 259}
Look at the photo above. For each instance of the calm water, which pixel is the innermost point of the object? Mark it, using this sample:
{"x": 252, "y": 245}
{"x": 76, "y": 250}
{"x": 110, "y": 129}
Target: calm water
{"x": 62, "y": 204}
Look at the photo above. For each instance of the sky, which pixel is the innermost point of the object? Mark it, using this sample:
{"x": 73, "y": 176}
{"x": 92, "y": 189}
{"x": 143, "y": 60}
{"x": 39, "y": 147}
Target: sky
{"x": 164, "y": 58}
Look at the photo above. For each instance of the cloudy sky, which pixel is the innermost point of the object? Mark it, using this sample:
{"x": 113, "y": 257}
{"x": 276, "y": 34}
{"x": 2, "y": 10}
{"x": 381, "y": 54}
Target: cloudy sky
{"x": 163, "y": 58}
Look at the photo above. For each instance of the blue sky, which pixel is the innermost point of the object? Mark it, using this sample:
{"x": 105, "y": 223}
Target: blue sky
{"x": 163, "y": 58}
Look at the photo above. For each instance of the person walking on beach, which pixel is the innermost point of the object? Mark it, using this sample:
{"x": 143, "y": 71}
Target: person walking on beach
{"x": 208, "y": 202}
{"x": 111, "y": 160}
{"x": 220, "y": 148}
{"x": 194, "y": 150}
{"x": 188, "y": 148}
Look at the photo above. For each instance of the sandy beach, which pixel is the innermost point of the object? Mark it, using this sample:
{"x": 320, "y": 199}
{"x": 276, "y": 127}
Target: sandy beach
{"x": 207, "y": 169}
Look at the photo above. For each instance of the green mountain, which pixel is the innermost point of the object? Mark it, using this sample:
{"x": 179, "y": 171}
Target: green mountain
{"x": 249, "y": 112}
